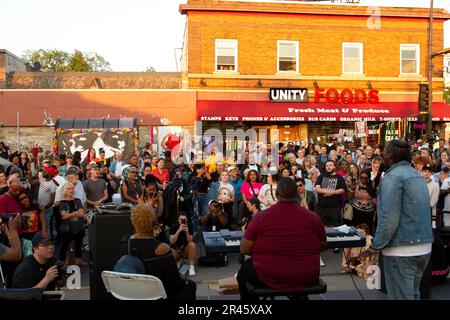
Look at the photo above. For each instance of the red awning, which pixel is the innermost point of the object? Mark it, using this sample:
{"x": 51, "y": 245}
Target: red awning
{"x": 227, "y": 110}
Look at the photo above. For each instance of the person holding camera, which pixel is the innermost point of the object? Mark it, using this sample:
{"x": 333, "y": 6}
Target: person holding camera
{"x": 9, "y": 228}
{"x": 215, "y": 219}
{"x": 153, "y": 197}
{"x": 182, "y": 241}
{"x": 38, "y": 270}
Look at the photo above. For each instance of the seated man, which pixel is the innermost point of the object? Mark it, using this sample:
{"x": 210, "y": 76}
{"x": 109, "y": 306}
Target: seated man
{"x": 38, "y": 270}
{"x": 14, "y": 252}
{"x": 182, "y": 241}
{"x": 285, "y": 243}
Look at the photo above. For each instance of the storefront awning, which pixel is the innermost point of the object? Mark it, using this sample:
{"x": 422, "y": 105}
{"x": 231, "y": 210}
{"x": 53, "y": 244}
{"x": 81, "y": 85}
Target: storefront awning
{"x": 227, "y": 110}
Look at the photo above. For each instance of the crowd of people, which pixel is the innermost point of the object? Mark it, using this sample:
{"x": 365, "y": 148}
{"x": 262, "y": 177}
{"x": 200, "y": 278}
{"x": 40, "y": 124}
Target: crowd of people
{"x": 185, "y": 193}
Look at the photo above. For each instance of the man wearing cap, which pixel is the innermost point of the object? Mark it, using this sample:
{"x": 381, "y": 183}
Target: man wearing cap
{"x": 38, "y": 270}
{"x": 47, "y": 191}
{"x": 95, "y": 188}
{"x": 72, "y": 176}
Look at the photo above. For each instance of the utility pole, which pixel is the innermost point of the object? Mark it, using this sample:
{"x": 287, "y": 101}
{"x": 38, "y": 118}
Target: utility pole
{"x": 430, "y": 70}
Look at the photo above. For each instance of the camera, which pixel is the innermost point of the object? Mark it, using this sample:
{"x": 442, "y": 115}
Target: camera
{"x": 353, "y": 181}
{"x": 62, "y": 269}
{"x": 183, "y": 221}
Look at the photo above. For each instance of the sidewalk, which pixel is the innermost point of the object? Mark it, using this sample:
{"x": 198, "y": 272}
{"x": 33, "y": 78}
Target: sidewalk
{"x": 340, "y": 285}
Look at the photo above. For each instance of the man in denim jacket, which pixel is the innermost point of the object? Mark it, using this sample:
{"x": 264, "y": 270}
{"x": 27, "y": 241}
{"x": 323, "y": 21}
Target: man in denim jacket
{"x": 404, "y": 231}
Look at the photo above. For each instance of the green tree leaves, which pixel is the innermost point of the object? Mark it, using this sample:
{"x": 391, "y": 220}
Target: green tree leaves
{"x": 54, "y": 60}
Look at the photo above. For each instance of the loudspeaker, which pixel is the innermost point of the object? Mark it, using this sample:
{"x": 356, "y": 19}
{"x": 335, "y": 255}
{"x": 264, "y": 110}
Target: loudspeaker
{"x": 107, "y": 235}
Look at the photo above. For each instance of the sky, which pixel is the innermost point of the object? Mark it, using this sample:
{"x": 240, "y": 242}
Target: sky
{"x": 132, "y": 35}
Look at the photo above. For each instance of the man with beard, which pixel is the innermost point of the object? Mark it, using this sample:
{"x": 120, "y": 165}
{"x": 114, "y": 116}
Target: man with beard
{"x": 330, "y": 187}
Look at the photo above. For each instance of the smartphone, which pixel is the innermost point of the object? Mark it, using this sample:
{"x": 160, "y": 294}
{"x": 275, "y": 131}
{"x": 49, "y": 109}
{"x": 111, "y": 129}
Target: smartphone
{"x": 7, "y": 216}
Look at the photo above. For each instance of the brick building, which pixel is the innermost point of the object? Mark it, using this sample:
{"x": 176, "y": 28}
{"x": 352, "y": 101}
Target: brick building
{"x": 155, "y": 99}
{"x": 236, "y": 51}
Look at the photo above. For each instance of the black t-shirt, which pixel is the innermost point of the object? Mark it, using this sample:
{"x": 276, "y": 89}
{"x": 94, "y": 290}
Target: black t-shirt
{"x": 330, "y": 182}
{"x": 214, "y": 222}
{"x": 181, "y": 241}
{"x": 31, "y": 222}
{"x": 200, "y": 184}
{"x": 29, "y": 273}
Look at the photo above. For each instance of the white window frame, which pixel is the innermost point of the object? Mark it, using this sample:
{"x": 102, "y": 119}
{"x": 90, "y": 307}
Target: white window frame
{"x": 358, "y": 45}
{"x": 296, "y": 56}
{"x": 235, "y": 44}
{"x": 417, "y": 47}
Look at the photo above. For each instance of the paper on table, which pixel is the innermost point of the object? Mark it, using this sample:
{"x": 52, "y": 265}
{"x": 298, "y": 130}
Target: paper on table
{"x": 344, "y": 229}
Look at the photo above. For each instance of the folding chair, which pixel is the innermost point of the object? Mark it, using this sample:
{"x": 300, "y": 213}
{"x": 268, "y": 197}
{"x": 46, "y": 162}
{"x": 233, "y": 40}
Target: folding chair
{"x": 128, "y": 286}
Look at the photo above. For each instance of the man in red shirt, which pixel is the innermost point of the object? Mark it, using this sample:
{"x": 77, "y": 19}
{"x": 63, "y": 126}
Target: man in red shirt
{"x": 285, "y": 242}
{"x": 8, "y": 201}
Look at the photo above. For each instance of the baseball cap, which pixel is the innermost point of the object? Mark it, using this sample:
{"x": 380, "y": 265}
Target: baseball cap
{"x": 231, "y": 168}
{"x": 72, "y": 170}
{"x": 39, "y": 239}
{"x": 51, "y": 171}
{"x": 427, "y": 167}
{"x": 177, "y": 170}
{"x": 419, "y": 141}
{"x": 93, "y": 165}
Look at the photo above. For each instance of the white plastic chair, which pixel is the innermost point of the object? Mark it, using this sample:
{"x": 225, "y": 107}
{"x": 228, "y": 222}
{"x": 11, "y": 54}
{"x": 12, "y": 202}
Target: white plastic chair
{"x": 127, "y": 286}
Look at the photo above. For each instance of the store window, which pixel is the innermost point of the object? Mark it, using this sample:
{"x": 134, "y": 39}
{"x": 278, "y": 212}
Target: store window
{"x": 409, "y": 58}
{"x": 352, "y": 58}
{"x": 287, "y": 56}
{"x": 226, "y": 55}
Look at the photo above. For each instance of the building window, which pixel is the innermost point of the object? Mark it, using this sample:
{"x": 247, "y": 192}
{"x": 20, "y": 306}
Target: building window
{"x": 409, "y": 58}
{"x": 226, "y": 55}
{"x": 287, "y": 56}
{"x": 352, "y": 58}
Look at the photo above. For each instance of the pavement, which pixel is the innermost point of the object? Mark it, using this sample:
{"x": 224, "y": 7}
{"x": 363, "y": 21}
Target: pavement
{"x": 341, "y": 286}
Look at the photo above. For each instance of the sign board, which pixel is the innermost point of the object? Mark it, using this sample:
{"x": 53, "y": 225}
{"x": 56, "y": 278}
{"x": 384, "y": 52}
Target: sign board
{"x": 289, "y": 95}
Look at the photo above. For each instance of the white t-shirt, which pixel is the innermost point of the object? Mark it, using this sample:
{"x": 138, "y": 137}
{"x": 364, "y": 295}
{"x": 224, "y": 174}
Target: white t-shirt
{"x": 46, "y": 188}
{"x": 266, "y": 195}
{"x": 445, "y": 186}
{"x": 119, "y": 168}
{"x": 408, "y": 251}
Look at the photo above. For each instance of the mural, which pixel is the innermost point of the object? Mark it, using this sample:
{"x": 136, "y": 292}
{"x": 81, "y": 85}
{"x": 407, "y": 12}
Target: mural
{"x": 124, "y": 140}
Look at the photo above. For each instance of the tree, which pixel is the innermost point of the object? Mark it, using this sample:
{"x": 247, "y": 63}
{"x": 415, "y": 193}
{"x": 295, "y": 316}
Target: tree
{"x": 150, "y": 69}
{"x": 55, "y": 60}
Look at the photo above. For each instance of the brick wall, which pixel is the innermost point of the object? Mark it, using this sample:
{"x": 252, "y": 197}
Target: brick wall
{"x": 320, "y": 39}
{"x": 91, "y": 80}
{"x": 27, "y": 137}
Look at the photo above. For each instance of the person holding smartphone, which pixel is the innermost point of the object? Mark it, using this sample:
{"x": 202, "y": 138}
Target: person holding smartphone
{"x": 9, "y": 228}
{"x": 182, "y": 241}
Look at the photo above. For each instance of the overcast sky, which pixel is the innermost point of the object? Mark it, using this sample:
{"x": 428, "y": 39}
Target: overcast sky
{"x": 132, "y": 35}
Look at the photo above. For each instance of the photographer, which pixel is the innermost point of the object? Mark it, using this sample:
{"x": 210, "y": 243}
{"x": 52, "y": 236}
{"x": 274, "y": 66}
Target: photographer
{"x": 214, "y": 220}
{"x": 38, "y": 270}
{"x": 14, "y": 252}
{"x": 153, "y": 197}
{"x": 182, "y": 241}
